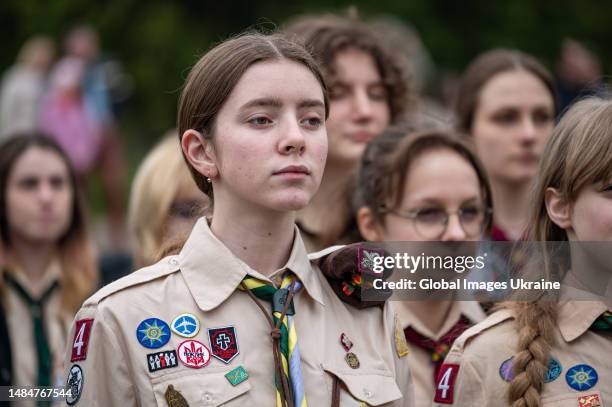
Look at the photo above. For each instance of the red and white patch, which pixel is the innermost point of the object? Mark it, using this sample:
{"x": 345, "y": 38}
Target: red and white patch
{"x": 592, "y": 400}
{"x": 82, "y": 332}
{"x": 193, "y": 354}
{"x": 445, "y": 384}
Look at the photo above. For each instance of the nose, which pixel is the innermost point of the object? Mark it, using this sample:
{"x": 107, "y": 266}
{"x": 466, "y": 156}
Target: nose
{"x": 45, "y": 193}
{"x": 454, "y": 230}
{"x": 362, "y": 105}
{"x": 292, "y": 140}
{"x": 528, "y": 131}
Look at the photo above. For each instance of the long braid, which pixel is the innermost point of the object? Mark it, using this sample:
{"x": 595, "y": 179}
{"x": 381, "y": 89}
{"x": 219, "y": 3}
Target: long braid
{"x": 535, "y": 326}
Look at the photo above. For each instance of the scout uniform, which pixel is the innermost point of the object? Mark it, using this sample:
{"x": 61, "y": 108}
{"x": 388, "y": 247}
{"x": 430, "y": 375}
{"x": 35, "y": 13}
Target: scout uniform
{"x": 37, "y": 328}
{"x": 187, "y": 331}
{"x": 427, "y": 349}
{"x": 479, "y": 365}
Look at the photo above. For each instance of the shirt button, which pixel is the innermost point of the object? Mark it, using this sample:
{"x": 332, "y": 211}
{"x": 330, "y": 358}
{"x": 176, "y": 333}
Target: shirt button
{"x": 367, "y": 393}
{"x": 174, "y": 261}
{"x": 208, "y": 398}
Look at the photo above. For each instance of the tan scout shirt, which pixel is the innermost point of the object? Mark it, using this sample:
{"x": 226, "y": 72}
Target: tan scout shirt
{"x": 421, "y": 366}
{"x": 21, "y": 330}
{"x": 203, "y": 280}
{"x": 481, "y": 350}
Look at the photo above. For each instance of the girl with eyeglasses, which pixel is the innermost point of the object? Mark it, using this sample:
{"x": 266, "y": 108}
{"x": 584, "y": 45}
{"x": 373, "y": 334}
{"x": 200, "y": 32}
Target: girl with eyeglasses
{"x": 424, "y": 186}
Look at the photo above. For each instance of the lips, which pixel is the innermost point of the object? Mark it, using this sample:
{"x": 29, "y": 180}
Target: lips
{"x": 293, "y": 169}
{"x": 361, "y": 136}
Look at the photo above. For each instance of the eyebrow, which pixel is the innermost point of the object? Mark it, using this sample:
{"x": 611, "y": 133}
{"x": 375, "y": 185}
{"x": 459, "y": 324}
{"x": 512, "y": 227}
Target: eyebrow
{"x": 277, "y": 103}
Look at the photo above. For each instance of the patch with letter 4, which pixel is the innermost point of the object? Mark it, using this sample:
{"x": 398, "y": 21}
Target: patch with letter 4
{"x": 82, "y": 331}
{"x": 445, "y": 383}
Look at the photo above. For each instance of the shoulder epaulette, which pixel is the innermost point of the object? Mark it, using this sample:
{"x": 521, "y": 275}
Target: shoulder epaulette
{"x": 492, "y": 320}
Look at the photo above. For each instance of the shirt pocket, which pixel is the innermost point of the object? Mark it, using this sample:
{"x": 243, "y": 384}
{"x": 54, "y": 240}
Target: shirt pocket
{"x": 200, "y": 388}
{"x": 587, "y": 398}
{"x": 363, "y": 387}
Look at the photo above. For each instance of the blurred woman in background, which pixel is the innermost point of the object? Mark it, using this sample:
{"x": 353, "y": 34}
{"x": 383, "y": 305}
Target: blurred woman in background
{"x": 368, "y": 90}
{"x": 506, "y": 106}
{"x": 164, "y": 202}
{"x": 48, "y": 267}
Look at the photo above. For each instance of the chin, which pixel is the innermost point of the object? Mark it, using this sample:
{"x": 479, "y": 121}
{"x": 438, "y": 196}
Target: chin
{"x": 295, "y": 202}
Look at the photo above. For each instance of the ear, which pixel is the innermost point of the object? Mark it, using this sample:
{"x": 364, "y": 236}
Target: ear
{"x": 200, "y": 153}
{"x": 369, "y": 227}
{"x": 559, "y": 210}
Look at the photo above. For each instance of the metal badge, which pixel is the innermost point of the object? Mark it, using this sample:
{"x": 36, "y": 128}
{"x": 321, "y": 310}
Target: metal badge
{"x": 174, "y": 398}
{"x": 352, "y": 360}
{"x": 346, "y": 342}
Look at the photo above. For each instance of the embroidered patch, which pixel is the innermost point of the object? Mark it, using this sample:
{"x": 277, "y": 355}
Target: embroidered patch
{"x": 185, "y": 325}
{"x": 346, "y": 342}
{"x": 581, "y": 377}
{"x": 445, "y": 387}
{"x": 352, "y": 360}
{"x": 153, "y": 333}
{"x": 193, "y": 354}
{"x": 592, "y": 400}
{"x": 554, "y": 370}
{"x": 505, "y": 370}
{"x": 237, "y": 376}
{"x": 174, "y": 398}
{"x": 368, "y": 259}
{"x": 223, "y": 343}
{"x": 401, "y": 345}
{"x": 82, "y": 331}
{"x": 74, "y": 384}
{"x": 162, "y": 360}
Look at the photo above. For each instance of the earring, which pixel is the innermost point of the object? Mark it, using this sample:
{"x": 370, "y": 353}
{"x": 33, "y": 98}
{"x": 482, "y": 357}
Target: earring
{"x": 208, "y": 180}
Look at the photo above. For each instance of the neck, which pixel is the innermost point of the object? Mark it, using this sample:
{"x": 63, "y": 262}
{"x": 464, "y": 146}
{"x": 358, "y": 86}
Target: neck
{"x": 321, "y": 216}
{"x": 249, "y": 233}
{"x": 431, "y": 314}
{"x": 511, "y": 203}
{"x": 32, "y": 257}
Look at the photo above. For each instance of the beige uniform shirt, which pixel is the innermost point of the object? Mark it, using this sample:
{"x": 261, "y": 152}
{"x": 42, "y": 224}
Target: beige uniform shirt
{"x": 21, "y": 330}
{"x": 203, "y": 280}
{"x": 421, "y": 366}
{"x": 474, "y": 364}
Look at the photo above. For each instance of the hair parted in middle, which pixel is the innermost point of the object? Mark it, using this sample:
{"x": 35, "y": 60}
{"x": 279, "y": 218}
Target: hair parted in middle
{"x": 327, "y": 35}
{"x": 215, "y": 75}
{"x": 577, "y": 154}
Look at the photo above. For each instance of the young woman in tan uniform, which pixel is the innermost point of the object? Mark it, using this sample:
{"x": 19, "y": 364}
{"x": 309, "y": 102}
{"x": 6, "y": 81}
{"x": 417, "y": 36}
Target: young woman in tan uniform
{"x": 424, "y": 186}
{"x": 47, "y": 263}
{"x": 241, "y": 316}
{"x": 554, "y": 351}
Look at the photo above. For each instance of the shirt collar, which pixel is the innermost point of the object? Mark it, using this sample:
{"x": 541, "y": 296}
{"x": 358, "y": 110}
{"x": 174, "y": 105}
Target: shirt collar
{"x": 212, "y": 272}
{"x": 576, "y": 317}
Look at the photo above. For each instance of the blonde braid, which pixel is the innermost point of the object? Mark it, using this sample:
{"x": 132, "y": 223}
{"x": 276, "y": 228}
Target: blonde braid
{"x": 535, "y": 322}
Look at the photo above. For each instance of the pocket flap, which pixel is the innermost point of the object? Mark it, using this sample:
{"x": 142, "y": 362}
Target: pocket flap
{"x": 585, "y": 398}
{"x": 374, "y": 387}
{"x": 199, "y": 388}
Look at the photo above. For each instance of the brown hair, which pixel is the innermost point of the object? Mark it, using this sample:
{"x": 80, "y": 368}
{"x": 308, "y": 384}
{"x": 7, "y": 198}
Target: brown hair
{"x": 486, "y": 66}
{"x": 577, "y": 154}
{"x": 215, "y": 75}
{"x": 79, "y": 273}
{"x": 384, "y": 165}
{"x": 325, "y": 36}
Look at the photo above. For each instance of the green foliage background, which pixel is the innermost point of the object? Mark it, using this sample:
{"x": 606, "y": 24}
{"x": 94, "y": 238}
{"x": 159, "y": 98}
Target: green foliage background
{"x": 158, "y": 40}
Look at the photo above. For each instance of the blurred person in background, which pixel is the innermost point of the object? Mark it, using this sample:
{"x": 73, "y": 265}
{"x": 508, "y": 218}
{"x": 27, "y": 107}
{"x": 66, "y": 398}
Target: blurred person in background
{"x": 506, "y": 107}
{"x": 368, "y": 90}
{"x": 164, "y": 202}
{"x": 102, "y": 93}
{"x": 424, "y": 186}
{"x": 579, "y": 72}
{"x": 48, "y": 265}
{"x": 23, "y": 86}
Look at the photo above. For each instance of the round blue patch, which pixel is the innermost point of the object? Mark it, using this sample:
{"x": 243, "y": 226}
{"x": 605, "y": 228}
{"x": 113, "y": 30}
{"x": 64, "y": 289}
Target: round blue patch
{"x": 186, "y": 325}
{"x": 153, "y": 333}
{"x": 554, "y": 370}
{"x": 505, "y": 370}
{"x": 581, "y": 377}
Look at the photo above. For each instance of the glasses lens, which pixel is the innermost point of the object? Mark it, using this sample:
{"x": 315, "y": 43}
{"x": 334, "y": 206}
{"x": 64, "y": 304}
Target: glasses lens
{"x": 430, "y": 222}
{"x": 472, "y": 220}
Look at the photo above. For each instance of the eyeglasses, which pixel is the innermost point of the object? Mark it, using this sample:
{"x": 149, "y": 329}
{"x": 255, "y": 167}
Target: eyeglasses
{"x": 431, "y": 222}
